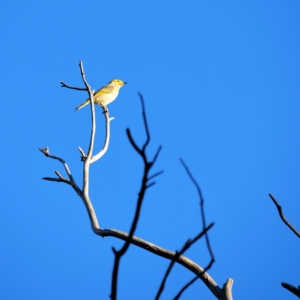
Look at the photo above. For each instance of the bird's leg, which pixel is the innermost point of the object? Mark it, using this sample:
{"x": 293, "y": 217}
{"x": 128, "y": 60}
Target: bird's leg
{"x": 104, "y": 108}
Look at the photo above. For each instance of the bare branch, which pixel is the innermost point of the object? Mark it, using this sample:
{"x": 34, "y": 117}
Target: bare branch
{"x": 185, "y": 288}
{"x": 154, "y": 175}
{"x": 162, "y": 252}
{"x": 91, "y": 96}
{"x": 150, "y": 184}
{"x": 201, "y": 206}
{"x": 72, "y": 87}
{"x": 186, "y": 246}
{"x": 141, "y": 195}
{"x": 156, "y": 154}
{"x": 132, "y": 142}
{"x": 292, "y": 289}
{"x": 46, "y": 151}
{"x": 107, "y": 136}
{"x": 52, "y": 179}
{"x": 279, "y": 208}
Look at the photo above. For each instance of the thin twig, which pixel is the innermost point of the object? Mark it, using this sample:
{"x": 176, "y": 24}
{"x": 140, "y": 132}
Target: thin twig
{"x": 72, "y": 87}
{"x": 167, "y": 254}
{"x": 185, "y": 288}
{"x": 186, "y": 246}
{"x": 201, "y": 206}
{"x": 71, "y": 182}
{"x": 46, "y": 151}
{"x": 155, "y": 175}
{"x": 145, "y": 123}
{"x": 107, "y": 136}
{"x": 279, "y": 208}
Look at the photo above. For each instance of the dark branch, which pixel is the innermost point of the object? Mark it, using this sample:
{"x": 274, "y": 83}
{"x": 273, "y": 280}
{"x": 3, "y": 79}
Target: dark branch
{"x": 154, "y": 175}
{"x": 72, "y": 87}
{"x": 279, "y": 208}
{"x": 145, "y": 122}
{"x": 292, "y": 289}
{"x": 185, "y": 288}
{"x": 186, "y": 246}
{"x": 132, "y": 142}
{"x": 156, "y": 154}
{"x": 141, "y": 196}
{"x": 201, "y": 205}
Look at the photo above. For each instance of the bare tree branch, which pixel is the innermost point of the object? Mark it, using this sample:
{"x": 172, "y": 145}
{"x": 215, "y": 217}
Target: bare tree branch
{"x": 212, "y": 260}
{"x": 185, "y": 247}
{"x": 71, "y": 182}
{"x": 201, "y": 206}
{"x": 141, "y": 196}
{"x": 292, "y": 289}
{"x": 72, "y": 87}
{"x": 185, "y": 288}
{"x": 279, "y": 208}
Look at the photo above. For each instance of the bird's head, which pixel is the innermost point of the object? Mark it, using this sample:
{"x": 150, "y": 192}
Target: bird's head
{"x": 118, "y": 82}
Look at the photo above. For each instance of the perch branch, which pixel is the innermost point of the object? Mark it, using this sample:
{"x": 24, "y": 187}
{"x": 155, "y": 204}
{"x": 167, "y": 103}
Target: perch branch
{"x": 107, "y": 137}
{"x": 279, "y": 208}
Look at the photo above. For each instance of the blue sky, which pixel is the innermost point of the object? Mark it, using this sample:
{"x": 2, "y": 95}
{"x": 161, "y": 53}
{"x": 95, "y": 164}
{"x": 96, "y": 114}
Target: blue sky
{"x": 221, "y": 85}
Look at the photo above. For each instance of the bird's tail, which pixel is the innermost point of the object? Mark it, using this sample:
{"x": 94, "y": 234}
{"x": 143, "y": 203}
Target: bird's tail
{"x": 83, "y": 104}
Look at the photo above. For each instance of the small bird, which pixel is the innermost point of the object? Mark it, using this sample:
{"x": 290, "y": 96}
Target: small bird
{"x": 106, "y": 94}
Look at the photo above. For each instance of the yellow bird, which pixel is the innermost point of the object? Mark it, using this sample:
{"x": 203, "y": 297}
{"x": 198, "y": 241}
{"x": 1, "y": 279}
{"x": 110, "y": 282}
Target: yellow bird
{"x": 106, "y": 94}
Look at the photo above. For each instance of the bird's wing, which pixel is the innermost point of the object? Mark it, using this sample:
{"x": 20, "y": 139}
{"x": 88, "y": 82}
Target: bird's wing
{"x": 104, "y": 90}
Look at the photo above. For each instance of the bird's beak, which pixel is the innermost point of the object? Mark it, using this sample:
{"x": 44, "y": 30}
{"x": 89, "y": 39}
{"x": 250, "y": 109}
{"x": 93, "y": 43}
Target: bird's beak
{"x": 125, "y": 82}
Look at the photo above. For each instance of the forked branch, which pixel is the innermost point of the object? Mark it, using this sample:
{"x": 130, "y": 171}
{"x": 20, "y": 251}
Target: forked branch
{"x": 84, "y": 195}
{"x": 141, "y": 195}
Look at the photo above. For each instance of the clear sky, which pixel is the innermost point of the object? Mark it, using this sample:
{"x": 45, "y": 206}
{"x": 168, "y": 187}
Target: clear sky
{"x": 221, "y": 85}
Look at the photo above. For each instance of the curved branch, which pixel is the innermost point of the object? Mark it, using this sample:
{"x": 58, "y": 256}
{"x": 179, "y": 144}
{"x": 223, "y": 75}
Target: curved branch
{"x": 107, "y": 136}
{"x": 162, "y": 252}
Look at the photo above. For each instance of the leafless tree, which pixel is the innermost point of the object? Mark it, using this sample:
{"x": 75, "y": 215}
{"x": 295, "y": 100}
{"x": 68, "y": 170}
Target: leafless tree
{"x": 146, "y": 183}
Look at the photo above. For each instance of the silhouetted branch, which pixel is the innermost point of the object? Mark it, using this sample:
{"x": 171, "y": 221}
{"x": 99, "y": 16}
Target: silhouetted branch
{"x": 203, "y": 225}
{"x": 185, "y": 288}
{"x": 144, "y": 186}
{"x": 279, "y": 208}
{"x": 72, "y": 87}
{"x": 186, "y": 246}
{"x": 292, "y": 289}
{"x": 201, "y": 206}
